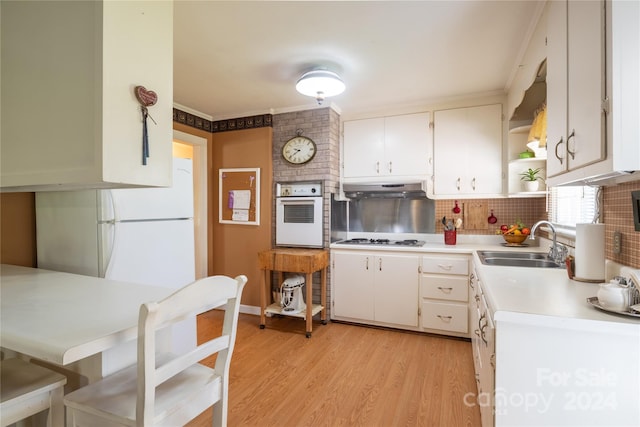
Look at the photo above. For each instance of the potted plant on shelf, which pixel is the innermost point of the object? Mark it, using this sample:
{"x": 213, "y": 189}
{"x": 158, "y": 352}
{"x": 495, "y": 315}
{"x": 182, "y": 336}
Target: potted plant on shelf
{"x": 531, "y": 179}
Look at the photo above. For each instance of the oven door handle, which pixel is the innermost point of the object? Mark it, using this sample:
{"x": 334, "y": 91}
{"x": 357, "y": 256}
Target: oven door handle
{"x": 297, "y": 202}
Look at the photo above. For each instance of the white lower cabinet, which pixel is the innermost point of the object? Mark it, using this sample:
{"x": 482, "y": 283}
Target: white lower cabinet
{"x": 444, "y": 283}
{"x": 375, "y": 287}
{"x": 483, "y": 348}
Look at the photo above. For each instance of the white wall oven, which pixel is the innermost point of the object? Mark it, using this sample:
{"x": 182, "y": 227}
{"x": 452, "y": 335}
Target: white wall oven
{"x": 299, "y": 214}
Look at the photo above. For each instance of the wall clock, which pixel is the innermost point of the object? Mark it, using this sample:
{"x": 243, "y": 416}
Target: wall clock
{"x": 299, "y": 150}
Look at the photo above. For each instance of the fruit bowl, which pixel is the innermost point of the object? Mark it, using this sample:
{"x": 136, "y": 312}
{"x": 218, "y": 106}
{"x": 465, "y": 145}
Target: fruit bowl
{"x": 514, "y": 238}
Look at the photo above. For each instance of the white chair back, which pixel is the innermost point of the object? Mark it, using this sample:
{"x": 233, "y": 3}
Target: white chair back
{"x": 167, "y": 389}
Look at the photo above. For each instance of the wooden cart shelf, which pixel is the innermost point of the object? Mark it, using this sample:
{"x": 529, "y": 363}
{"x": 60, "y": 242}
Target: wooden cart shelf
{"x": 294, "y": 260}
{"x": 277, "y": 309}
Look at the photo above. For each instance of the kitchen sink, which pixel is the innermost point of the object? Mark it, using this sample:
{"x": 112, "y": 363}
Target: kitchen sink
{"x": 513, "y": 255}
{"x": 518, "y": 259}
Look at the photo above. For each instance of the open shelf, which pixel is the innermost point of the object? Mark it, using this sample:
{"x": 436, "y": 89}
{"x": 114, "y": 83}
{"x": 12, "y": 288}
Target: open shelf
{"x": 528, "y": 194}
{"x": 276, "y": 309}
{"x": 528, "y": 160}
{"x": 520, "y": 129}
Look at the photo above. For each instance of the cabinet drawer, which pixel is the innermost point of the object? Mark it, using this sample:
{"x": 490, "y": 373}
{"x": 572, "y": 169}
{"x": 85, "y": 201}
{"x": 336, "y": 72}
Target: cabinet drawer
{"x": 453, "y": 288}
{"x": 445, "y": 316}
{"x": 445, "y": 265}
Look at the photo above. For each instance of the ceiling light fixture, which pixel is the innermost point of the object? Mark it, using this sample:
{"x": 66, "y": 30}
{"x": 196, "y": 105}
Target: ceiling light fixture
{"x": 320, "y": 84}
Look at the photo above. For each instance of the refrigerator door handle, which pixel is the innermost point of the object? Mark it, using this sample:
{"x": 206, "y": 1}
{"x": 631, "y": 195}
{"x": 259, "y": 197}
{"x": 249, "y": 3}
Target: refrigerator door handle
{"x": 108, "y": 231}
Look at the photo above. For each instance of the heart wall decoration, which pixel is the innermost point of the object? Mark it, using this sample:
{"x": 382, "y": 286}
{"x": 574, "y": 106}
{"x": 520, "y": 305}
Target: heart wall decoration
{"x": 146, "y": 98}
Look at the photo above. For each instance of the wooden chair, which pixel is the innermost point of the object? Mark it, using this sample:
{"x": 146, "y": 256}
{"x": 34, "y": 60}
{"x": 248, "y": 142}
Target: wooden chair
{"x": 27, "y": 389}
{"x": 167, "y": 390}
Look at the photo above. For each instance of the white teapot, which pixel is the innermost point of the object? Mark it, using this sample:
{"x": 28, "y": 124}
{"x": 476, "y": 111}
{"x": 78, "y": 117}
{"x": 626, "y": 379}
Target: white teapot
{"x": 614, "y": 296}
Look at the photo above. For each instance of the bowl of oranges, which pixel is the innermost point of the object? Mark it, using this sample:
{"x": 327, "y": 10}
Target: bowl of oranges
{"x": 515, "y": 234}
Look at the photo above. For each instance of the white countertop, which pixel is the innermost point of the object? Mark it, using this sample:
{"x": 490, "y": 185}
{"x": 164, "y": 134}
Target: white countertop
{"x": 466, "y": 244}
{"x": 522, "y": 290}
{"x": 62, "y": 317}
{"x": 541, "y": 291}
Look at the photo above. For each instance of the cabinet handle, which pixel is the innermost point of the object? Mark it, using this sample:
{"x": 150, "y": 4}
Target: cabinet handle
{"x": 390, "y": 167}
{"x": 482, "y": 328}
{"x": 556, "y": 150}
{"x": 445, "y": 318}
{"x": 458, "y": 184}
{"x": 445, "y": 267}
{"x": 572, "y": 135}
{"x": 473, "y": 183}
{"x": 492, "y": 360}
{"x": 377, "y": 167}
{"x": 447, "y": 290}
{"x": 379, "y": 264}
{"x": 366, "y": 265}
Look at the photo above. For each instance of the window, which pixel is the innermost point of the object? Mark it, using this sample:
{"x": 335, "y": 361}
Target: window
{"x": 573, "y": 205}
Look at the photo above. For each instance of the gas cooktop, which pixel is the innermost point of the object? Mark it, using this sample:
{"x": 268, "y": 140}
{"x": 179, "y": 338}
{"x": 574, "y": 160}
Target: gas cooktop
{"x": 381, "y": 242}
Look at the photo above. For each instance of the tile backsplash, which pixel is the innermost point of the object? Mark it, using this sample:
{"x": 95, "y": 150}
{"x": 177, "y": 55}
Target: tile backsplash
{"x": 617, "y": 215}
{"x": 506, "y": 211}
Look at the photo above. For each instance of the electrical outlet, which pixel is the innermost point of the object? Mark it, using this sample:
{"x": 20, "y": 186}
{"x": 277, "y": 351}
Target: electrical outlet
{"x": 617, "y": 242}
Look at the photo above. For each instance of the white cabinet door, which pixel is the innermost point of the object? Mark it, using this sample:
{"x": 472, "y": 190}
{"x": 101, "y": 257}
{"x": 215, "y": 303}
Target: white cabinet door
{"x": 407, "y": 145}
{"x": 556, "y": 88}
{"x": 575, "y": 85}
{"x": 352, "y": 285}
{"x": 394, "y": 146}
{"x": 363, "y": 147}
{"x": 374, "y": 287}
{"x": 396, "y": 284}
{"x": 78, "y": 86}
{"x": 467, "y": 145}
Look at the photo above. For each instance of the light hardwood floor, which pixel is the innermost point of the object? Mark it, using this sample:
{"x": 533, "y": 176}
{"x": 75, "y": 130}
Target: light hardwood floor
{"x": 344, "y": 375}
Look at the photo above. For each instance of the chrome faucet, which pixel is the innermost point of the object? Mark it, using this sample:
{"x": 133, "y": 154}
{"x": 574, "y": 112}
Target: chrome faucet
{"x": 558, "y": 252}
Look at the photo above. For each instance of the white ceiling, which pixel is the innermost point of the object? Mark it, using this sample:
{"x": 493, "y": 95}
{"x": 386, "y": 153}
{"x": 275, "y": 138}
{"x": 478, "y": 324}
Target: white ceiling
{"x": 240, "y": 58}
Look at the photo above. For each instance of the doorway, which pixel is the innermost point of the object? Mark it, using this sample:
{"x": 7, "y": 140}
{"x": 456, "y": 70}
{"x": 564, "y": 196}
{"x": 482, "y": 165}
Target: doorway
{"x": 195, "y": 148}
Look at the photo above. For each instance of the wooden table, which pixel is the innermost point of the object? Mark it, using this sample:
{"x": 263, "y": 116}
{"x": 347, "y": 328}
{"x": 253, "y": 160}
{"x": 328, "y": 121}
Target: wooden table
{"x": 66, "y": 319}
{"x": 294, "y": 260}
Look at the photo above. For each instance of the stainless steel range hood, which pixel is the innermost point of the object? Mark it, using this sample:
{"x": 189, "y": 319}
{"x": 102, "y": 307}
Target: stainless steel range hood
{"x": 410, "y": 190}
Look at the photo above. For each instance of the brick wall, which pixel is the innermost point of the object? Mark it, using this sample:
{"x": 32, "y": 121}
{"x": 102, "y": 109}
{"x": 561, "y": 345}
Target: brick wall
{"x": 323, "y": 127}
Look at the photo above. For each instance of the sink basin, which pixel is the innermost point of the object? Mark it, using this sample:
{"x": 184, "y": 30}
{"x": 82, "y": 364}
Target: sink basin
{"x": 512, "y": 255}
{"x": 518, "y": 259}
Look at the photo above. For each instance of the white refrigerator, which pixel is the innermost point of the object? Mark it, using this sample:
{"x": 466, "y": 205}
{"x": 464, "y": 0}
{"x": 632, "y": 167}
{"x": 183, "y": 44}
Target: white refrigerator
{"x": 141, "y": 235}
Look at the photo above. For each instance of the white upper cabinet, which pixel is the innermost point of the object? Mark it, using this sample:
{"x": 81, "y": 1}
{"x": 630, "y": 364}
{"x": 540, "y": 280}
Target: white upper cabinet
{"x": 70, "y": 118}
{"x": 467, "y": 151}
{"x": 387, "y": 148}
{"x": 576, "y": 85}
{"x": 592, "y": 83}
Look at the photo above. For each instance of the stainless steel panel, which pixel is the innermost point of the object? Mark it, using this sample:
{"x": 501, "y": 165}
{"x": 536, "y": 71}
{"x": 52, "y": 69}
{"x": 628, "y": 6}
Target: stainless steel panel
{"x": 392, "y": 215}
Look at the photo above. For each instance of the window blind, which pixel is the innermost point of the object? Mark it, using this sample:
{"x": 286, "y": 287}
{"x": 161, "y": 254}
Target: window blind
{"x": 569, "y": 206}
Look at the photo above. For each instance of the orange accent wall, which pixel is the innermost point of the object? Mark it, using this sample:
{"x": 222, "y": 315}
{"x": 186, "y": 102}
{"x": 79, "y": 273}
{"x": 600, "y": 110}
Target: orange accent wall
{"x": 18, "y": 229}
{"x": 234, "y": 248}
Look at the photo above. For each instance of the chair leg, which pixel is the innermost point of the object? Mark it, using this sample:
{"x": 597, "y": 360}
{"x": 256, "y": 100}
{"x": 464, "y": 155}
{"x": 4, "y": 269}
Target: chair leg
{"x": 56, "y": 410}
{"x": 220, "y": 413}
